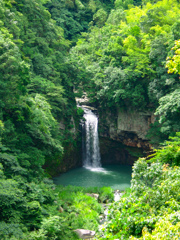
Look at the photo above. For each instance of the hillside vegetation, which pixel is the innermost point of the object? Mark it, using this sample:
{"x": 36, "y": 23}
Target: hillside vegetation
{"x": 121, "y": 53}
{"x": 123, "y": 63}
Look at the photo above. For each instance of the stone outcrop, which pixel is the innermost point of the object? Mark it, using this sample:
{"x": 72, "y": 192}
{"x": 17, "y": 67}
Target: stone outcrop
{"x": 85, "y": 234}
{"x": 122, "y": 133}
{"x": 135, "y": 122}
{"x": 122, "y": 138}
{"x": 72, "y": 149}
{"x": 127, "y": 126}
{"x": 115, "y": 152}
{"x": 94, "y": 195}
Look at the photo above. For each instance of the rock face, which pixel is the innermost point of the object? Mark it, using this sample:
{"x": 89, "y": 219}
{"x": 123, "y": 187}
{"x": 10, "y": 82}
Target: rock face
{"x": 122, "y": 133}
{"x": 128, "y": 127}
{"x": 135, "y": 122}
{"x": 115, "y": 152}
{"x": 72, "y": 154}
{"x": 122, "y": 139}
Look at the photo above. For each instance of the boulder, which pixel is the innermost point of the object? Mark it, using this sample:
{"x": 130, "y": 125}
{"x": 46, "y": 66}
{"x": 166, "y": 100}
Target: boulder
{"x": 94, "y": 195}
{"x": 85, "y": 234}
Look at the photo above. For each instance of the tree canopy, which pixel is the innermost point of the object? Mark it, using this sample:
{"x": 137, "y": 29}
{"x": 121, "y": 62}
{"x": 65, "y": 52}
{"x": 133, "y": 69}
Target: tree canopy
{"x": 121, "y": 54}
{"x": 124, "y": 61}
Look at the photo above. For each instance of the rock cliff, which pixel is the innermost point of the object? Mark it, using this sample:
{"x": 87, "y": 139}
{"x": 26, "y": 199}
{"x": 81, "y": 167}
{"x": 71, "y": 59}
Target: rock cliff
{"x": 128, "y": 128}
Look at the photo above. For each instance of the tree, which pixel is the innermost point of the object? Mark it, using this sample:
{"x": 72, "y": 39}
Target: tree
{"x": 14, "y": 72}
{"x": 173, "y": 63}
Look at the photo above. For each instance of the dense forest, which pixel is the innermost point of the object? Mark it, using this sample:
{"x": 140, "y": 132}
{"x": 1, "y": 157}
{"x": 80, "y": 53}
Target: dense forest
{"x": 122, "y": 53}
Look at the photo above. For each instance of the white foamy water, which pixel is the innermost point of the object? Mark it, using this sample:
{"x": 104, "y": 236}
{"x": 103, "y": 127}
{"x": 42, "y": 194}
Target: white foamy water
{"x": 99, "y": 169}
{"x": 91, "y": 152}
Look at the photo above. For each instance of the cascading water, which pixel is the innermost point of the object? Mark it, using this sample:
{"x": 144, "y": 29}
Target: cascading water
{"x": 91, "y": 153}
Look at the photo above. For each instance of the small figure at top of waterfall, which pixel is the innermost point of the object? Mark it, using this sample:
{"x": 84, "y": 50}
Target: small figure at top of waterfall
{"x": 91, "y": 152}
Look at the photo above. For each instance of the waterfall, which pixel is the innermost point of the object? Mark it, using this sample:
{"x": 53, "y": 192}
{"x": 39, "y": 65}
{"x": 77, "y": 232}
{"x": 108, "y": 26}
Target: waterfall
{"x": 91, "y": 153}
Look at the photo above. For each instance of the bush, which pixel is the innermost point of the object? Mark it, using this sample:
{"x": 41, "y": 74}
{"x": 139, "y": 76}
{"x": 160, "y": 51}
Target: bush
{"x": 154, "y": 194}
{"x": 170, "y": 152}
{"x": 164, "y": 229}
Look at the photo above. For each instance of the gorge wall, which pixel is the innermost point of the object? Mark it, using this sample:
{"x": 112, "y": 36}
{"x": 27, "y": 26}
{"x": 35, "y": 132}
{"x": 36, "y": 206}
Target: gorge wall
{"x": 72, "y": 149}
{"x": 123, "y": 135}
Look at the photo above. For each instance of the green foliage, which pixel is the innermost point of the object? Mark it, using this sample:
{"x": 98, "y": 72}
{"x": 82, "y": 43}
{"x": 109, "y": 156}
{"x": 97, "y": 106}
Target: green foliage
{"x": 152, "y": 201}
{"x": 119, "y": 61}
{"x": 106, "y": 194}
{"x": 72, "y": 209}
{"x": 122, "y": 63}
{"x": 75, "y": 17}
{"x": 164, "y": 229}
{"x": 14, "y": 72}
{"x": 169, "y": 153}
{"x": 10, "y": 197}
{"x": 168, "y": 111}
{"x": 100, "y": 17}
{"x": 10, "y": 231}
{"x": 173, "y": 64}
{"x": 124, "y": 4}
{"x": 150, "y": 209}
{"x": 35, "y": 83}
{"x": 116, "y": 16}
{"x": 42, "y": 123}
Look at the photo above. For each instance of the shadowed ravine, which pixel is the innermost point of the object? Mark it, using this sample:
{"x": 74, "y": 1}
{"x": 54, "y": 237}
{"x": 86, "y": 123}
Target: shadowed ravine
{"x": 92, "y": 174}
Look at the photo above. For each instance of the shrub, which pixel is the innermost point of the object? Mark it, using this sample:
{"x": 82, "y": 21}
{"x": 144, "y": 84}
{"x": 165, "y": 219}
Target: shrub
{"x": 154, "y": 194}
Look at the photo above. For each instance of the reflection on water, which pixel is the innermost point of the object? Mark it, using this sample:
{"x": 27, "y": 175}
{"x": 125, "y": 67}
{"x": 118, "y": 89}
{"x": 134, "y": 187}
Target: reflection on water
{"x": 115, "y": 176}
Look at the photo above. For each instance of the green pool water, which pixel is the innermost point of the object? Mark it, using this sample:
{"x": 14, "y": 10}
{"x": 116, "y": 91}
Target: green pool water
{"x": 114, "y": 176}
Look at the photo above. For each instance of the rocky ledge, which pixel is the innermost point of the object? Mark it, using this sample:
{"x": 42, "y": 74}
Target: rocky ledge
{"x": 123, "y": 135}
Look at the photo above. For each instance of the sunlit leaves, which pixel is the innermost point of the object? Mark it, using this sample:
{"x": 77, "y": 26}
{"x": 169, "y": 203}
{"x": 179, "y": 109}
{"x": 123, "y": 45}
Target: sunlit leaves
{"x": 173, "y": 64}
{"x": 164, "y": 229}
{"x": 129, "y": 42}
{"x": 152, "y": 200}
{"x": 170, "y": 152}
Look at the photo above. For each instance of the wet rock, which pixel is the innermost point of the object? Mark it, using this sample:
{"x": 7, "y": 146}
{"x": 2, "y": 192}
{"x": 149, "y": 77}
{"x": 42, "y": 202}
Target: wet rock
{"x": 128, "y": 127}
{"x": 61, "y": 209}
{"x": 85, "y": 234}
{"x": 94, "y": 195}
